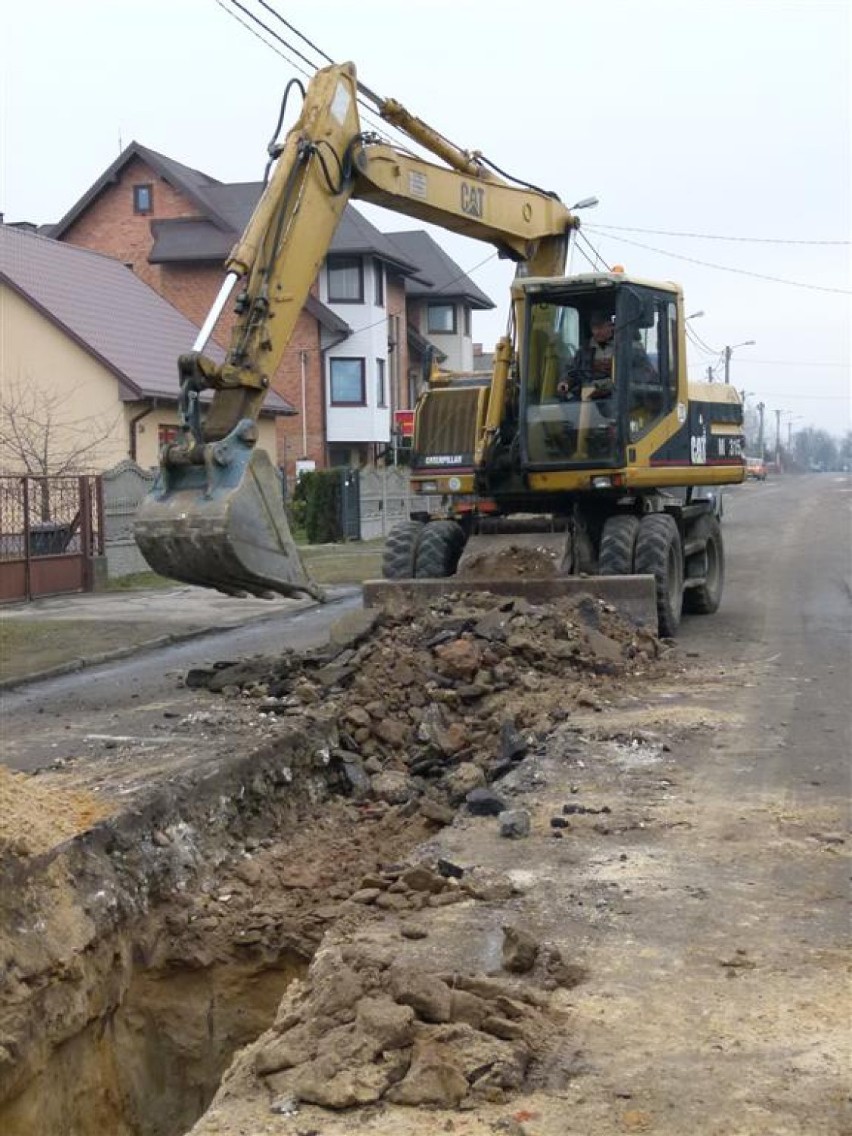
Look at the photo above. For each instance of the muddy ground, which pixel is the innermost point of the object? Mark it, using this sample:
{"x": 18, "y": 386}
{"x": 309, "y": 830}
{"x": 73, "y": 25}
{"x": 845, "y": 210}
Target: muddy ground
{"x": 294, "y": 883}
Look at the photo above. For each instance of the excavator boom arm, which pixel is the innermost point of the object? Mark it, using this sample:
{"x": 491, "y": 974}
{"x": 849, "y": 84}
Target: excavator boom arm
{"x": 326, "y": 160}
{"x": 215, "y": 515}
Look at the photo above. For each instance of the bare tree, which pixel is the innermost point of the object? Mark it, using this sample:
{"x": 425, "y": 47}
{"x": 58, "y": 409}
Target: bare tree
{"x": 44, "y": 433}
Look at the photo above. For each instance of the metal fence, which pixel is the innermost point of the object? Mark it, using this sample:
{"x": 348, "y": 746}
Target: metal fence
{"x": 386, "y": 499}
{"x": 51, "y": 531}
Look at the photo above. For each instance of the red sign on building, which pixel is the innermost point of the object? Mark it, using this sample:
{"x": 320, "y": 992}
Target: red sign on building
{"x": 404, "y": 423}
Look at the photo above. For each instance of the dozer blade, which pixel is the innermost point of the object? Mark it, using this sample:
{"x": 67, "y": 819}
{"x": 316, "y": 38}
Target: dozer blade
{"x": 532, "y": 565}
{"x": 223, "y": 525}
{"x": 633, "y": 596}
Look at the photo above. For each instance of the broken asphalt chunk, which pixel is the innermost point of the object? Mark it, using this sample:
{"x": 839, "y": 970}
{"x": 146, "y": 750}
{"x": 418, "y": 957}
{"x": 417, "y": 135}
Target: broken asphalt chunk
{"x": 482, "y": 802}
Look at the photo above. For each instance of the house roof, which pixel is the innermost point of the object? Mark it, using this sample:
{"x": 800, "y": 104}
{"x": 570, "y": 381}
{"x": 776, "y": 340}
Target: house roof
{"x": 108, "y": 311}
{"x": 224, "y": 211}
{"x": 355, "y": 234}
{"x": 439, "y": 274}
{"x": 192, "y": 183}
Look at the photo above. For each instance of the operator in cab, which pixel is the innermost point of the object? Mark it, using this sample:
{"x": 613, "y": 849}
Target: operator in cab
{"x": 591, "y": 367}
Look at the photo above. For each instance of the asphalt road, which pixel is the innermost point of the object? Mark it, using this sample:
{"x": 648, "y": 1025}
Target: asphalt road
{"x": 79, "y": 713}
{"x": 787, "y": 604}
{"x": 787, "y": 612}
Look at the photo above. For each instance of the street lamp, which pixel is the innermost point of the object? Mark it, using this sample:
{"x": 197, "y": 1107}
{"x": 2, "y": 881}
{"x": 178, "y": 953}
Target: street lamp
{"x": 694, "y": 316}
{"x": 584, "y": 203}
{"x": 729, "y": 352}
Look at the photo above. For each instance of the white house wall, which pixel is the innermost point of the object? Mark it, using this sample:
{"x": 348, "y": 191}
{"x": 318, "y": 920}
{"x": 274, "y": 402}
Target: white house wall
{"x": 368, "y": 341}
{"x": 457, "y": 347}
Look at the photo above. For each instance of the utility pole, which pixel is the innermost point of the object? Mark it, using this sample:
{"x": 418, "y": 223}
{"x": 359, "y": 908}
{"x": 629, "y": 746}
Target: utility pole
{"x": 761, "y": 406}
{"x": 709, "y": 374}
{"x": 729, "y": 352}
{"x": 777, "y": 441}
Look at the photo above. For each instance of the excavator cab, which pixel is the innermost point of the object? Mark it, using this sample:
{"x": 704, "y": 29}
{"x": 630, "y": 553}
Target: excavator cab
{"x": 594, "y": 374}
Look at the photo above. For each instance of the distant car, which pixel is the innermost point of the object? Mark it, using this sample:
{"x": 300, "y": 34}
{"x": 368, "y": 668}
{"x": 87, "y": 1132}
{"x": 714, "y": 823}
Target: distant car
{"x": 756, "y": 469}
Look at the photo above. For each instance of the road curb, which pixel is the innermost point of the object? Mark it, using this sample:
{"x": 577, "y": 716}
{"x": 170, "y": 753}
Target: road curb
{"x": 80, "y": 664}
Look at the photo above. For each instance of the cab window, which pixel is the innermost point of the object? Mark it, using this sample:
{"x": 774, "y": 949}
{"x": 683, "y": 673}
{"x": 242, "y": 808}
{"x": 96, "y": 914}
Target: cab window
{"x": 652, "y": 381}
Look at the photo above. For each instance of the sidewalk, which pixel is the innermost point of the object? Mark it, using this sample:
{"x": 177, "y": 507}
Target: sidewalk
{"x": 58, "y": 634}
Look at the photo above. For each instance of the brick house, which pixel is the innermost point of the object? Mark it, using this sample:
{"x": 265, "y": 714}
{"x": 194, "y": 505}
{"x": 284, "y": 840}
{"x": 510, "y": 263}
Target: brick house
{"x": 355, "y": 357}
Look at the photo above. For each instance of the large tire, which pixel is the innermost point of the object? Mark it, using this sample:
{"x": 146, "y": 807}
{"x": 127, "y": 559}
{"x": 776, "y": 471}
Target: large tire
{"x": 659, "y": 553}
{"x": 705, "y": 599}
{"x": 439, "y": 550}
{"x": 400, "y": 552}
{"x": 618, "y": 544}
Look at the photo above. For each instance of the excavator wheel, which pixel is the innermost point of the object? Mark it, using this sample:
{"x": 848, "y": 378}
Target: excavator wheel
{"x": 618, "y": 545}
{"x": 704, "y": 599}
{"x": 398, "y": 558}
{"x": 438, "y": 550}
{"x": 659, "y": 553}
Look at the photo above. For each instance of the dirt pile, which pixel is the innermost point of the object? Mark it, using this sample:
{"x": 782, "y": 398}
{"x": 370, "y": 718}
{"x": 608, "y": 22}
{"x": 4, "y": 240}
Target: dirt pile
{"x": 35, "y": 816}
{"x": 432, "y": 704}
{"x": 368, "y": 1025}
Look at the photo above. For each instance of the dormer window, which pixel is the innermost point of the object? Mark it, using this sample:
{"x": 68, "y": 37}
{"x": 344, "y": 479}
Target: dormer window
{"x": 442, "y": 318}
{"x": 143, "y": 198}
{"x": 345, "y": 280}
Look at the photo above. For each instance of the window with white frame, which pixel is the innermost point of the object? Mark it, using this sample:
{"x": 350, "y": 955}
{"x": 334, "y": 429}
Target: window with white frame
{"x": 345, "y": 280}
{"x": 381, "y": 387}
{"x": 441, "y": 318}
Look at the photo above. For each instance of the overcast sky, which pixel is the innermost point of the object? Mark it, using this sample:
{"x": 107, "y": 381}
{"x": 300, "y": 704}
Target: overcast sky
{"x": 725, "y": 119}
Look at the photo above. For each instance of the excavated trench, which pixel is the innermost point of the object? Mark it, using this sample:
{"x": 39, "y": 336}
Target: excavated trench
{"x": 140, "y": 955}
{"x": 150, "y": 1062}
{"x": 142, "y": 951}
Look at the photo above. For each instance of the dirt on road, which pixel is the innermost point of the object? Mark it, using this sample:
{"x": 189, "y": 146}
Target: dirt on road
{"x": 464, "y": 870}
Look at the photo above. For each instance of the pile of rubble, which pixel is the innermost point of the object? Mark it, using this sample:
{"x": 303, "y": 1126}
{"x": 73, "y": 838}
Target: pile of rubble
{"x": 369, "y": 1024}
{"x": 432, "y": 704}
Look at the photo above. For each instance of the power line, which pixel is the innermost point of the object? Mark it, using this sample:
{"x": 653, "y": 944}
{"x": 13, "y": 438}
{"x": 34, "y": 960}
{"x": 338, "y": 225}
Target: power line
{"x": 698, "y": 342}
{"x": 380, "y": 128}
{"x": 586, "y": 257}
{"x": 266, "y": 42}
{"x": 715, "y": 236}
{"x": 295, "y": 30}
{"x": 252, "y": 16}
{"x": 595, "y": 252}
{"x": 738, "y": 271}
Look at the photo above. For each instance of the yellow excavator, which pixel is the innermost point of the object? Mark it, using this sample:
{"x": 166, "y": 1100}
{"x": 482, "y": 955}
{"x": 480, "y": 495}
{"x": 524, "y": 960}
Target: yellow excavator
{"x": 585, "y": 444}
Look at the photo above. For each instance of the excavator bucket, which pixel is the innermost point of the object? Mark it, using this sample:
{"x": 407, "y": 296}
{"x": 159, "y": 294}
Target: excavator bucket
{"x": 222, "y": 525}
